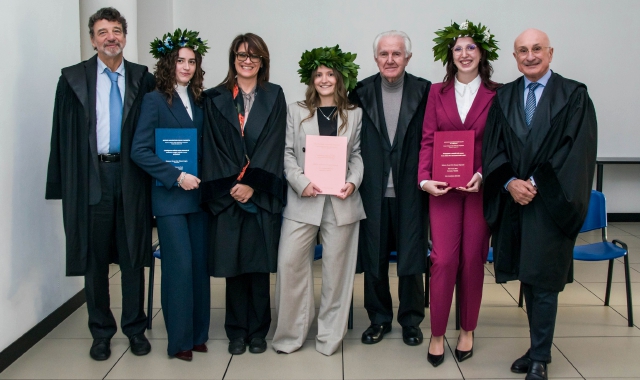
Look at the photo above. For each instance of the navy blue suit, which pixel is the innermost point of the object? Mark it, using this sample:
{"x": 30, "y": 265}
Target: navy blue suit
{"x": 182, "y": 225}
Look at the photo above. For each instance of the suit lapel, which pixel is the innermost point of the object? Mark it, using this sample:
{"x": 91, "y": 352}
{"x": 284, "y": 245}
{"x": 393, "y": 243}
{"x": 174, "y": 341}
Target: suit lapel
{"x": 310, "y": 126}
{"x": 179, "y": 112}
{"x": 548, "y": 106}
{"x": 480, "y": 103}
{"x": 225, "y": 104}
{"x": 369, "y": 102}
{"x": 412, "y": 94}
{"x": 260, "y": 111}
{"x": 450, "y": 105}
{"x": 132, "y": 76}
{"x": 514, "y": 110}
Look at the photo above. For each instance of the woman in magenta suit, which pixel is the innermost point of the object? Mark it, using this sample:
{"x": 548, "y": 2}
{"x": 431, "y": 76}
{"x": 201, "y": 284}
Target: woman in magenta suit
{"x": 459, "y": 232}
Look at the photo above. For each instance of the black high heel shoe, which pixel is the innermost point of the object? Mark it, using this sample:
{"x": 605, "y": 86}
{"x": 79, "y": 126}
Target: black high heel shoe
{"x": 464, "y": 355}
{"x": 435, "y": 360}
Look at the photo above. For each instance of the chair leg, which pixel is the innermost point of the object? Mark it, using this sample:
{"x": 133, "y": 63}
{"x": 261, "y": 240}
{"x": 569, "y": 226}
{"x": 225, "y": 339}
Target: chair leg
{"x": 152, "y": 270}
{"x": 628, "y": 283}
{"x": 520, "y": 297}
{"x": 350, "y": 320}
{"x": 607, "y": 296}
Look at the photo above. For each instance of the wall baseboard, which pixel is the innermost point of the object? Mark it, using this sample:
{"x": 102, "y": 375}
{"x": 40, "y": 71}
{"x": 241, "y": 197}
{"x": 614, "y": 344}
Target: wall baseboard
{"x": 623, "y": 217}
{"x": 39, "y": 331}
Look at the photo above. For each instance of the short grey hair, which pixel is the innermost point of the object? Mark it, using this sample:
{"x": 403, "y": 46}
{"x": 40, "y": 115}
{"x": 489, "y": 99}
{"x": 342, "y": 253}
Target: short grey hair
{"x": 393, "y": 33}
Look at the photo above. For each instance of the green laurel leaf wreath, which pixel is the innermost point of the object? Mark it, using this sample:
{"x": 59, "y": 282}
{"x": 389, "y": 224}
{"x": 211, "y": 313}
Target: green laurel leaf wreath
{"x": 177, "y": 40}
{"x": 333, "y": 58}
{"x": 480, "y": 34}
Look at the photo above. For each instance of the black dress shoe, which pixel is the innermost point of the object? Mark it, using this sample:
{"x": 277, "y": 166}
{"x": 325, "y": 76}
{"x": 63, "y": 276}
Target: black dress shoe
{"x": 435, "y": 360}
{"x": 186, "y": 355}
{"x": 537, "y": 371}
{"x": 237, "y": 346}
{"x": 375, "y": 333}
{"x": 139, "y": 345}
{"x": 100, "y": 349}
{"x": 463, "y": 355}
{"x": 411, "y": 335}
{"x": 521, "y": 365}
{"x": 257, "y": 345}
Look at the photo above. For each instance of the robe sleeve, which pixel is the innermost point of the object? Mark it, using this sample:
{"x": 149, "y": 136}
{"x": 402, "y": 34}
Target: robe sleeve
{"x": 496, "y": 168}
{"x": 54, "y": 176}
{"x": 565, "y": 180}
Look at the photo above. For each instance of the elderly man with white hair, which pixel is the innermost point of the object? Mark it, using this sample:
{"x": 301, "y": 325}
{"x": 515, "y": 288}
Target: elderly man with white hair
{"x": 393, "y": 103}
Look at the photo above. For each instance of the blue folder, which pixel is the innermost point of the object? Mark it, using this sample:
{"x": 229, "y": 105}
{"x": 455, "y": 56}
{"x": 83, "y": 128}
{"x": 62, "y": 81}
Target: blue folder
{"x": 179, "y": 147}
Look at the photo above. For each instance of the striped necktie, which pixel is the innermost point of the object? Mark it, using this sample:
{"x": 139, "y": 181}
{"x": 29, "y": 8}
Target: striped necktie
{"x": 530, "y": 107}
{"x": 115, "y": 113}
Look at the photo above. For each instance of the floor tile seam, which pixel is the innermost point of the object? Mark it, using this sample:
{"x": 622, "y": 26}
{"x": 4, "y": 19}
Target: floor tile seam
{"x": 510, "y": 295}
{"x": 609, "y": 306}
{"x": 567, "y": 359}
{"x": 114, "y": 364}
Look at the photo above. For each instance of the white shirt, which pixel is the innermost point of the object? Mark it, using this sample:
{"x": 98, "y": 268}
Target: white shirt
{"x": 465, "y": 94}
{"x": 182, "y": 92}
{"x": 103, "y": 89}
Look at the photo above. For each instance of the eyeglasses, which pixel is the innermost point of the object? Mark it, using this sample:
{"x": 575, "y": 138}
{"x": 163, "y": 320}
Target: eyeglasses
{"x": 469, "y": 48}
{"x": 536, "y": 50}
{"x": 242, "y": 56}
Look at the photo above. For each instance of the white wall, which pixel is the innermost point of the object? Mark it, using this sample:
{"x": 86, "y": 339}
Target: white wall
{"x": 588, "y": 37}
{"x": 40, "y": 37}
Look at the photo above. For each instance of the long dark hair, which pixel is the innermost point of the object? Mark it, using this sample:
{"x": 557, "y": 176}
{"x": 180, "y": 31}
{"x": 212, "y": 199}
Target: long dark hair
{"x": 484, "y": 69}
{"x": 255, "y": 45}
{"x": 312, "y": 99}
{"x": 165, "y": 73}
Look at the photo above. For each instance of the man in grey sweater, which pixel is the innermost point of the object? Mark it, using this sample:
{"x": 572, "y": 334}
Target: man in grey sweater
{"x": 393, "y": 102}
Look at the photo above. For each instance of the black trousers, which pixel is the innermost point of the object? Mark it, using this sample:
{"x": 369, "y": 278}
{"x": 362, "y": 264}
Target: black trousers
{"x": 106, "y": 237}
{"x": 248, "y": 308}
{"x": 377, "y": 296}
{"x": 542, "y": 307}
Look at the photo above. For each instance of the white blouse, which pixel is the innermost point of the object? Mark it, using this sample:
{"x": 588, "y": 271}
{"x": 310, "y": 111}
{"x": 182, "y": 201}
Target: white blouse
{"x": 182, "y": 92}
{"x": 465, "y": 94}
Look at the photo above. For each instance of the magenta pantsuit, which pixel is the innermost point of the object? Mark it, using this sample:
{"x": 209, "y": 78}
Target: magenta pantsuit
{"x": 459, "y": 231}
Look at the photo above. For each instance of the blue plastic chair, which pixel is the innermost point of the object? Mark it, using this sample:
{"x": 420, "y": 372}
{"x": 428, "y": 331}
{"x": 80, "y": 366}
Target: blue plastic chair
{"x": 604, "y": 250}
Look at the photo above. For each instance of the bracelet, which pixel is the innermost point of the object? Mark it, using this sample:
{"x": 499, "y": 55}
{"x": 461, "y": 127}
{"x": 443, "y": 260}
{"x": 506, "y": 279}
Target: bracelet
{"x": 181, "y": 178}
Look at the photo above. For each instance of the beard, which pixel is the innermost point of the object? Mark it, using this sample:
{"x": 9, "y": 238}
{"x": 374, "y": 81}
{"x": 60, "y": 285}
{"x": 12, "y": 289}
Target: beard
{"x": 112, "y": 51}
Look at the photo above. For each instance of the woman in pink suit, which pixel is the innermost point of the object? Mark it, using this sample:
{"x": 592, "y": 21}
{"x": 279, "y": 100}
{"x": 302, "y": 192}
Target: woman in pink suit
{"x": 459, "y": 232}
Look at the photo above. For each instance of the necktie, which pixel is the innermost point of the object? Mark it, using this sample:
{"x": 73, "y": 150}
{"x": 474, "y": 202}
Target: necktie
{"x": 530, "y": 107}
{"x": 115, "y": 113}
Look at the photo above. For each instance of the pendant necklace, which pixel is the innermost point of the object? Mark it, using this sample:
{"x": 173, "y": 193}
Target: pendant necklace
{"x": 325, "y": 116}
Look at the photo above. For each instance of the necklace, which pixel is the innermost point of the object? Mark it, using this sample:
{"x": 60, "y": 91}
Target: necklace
{"x": 325, "y": 116}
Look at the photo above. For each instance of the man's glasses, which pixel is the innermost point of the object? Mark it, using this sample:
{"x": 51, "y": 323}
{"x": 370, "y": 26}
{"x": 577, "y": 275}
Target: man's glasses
{"x": 536, "y": 50}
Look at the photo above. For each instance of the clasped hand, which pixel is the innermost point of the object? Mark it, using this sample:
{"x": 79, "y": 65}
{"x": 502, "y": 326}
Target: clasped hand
{"x": 189, "y": 182}
{"x": 241, "y": 193}
{"x": 521, "y": 191}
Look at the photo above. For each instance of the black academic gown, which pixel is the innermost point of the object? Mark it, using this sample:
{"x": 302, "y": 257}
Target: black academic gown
{"x": 378, "y": 155}
{"x": 73, "y": 174}
{"x": 534, "y": 243}
{"x": 243, "y": 242}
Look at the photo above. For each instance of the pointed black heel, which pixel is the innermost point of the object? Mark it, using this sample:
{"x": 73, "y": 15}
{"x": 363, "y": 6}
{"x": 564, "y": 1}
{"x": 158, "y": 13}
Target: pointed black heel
{"x": 435, "y": 360}
{"x": 464, "y": 355}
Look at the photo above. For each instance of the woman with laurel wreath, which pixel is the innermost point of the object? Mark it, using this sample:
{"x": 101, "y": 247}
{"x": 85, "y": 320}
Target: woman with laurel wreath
{"x": 329, "y": 74}
{"x": 182, "y": 224}
{"x": 459, "y": 232}
{"x": 243, "y": 188}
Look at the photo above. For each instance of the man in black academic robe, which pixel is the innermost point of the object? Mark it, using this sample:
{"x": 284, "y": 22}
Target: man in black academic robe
{"x": 396, "y": 208}
{"x": 105, "y": 196}
{"x": 538, "y": 158}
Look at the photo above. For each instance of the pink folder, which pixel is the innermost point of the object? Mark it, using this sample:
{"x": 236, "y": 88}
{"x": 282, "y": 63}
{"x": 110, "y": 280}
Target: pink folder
{"x": 325, "y": 162}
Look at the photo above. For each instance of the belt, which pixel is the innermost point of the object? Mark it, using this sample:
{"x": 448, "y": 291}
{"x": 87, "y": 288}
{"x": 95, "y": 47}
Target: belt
{"x": 109, "y": 157}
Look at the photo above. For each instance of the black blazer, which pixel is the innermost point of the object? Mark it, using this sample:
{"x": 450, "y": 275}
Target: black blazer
{"x": 156, "y": 112}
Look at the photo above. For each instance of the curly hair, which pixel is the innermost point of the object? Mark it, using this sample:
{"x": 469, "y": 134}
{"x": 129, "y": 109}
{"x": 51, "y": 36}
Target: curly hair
{"x": 165, "y": 74}
{"x": 255, "y": 45}
{"x": 109, "y": 14}
{"x": 312, "y": 99}
{"x": 484, "y": 69}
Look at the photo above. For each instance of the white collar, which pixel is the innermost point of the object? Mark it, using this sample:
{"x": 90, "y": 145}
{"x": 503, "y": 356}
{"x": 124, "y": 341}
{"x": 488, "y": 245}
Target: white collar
{"x": 102, "y": 67}
{"x": 472, "y": 86}
{"x": 180, "y": 89}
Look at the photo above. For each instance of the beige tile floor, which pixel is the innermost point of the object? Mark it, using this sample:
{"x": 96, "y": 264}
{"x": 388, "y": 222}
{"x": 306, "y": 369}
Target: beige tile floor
{"x": 591, "y": 341}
